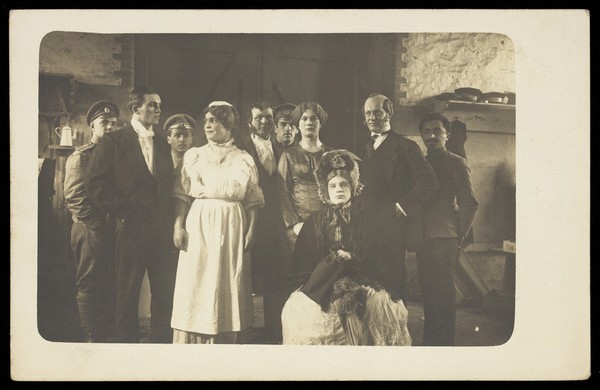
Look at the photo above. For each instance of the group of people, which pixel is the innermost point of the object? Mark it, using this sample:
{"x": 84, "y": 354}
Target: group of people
{"x": 323, "y": 230}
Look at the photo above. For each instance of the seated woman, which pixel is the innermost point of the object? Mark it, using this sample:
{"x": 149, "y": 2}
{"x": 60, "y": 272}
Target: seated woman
{"x": 335, "y": 301}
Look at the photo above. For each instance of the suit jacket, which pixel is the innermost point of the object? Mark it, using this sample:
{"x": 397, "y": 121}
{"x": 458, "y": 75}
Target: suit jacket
{"x": 397, "y": 172}
{"x": 120, "y": 183}
{"x": 268, "y": 183}
{"x": 450, "y": 212}
{"x": 269, "y": 218}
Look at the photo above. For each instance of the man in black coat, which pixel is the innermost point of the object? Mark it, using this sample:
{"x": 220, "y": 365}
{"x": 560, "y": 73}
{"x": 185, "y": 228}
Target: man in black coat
{"x": 130, "y": 176}
{"x": 397, "y": 180}
{"x": 265, "y": 151}
{"x": 447, "y": 219}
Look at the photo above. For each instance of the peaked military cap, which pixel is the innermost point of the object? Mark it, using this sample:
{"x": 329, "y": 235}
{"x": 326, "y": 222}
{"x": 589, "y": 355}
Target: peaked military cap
{"x": 179, "y": 121}
{"x": 283, "y": 111}
{"x": 103, "y": 108}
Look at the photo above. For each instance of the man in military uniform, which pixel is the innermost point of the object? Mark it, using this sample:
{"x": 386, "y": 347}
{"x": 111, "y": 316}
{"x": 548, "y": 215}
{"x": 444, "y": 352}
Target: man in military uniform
{"x": 447, "y": 218}
{"x": 91, "y": 235}
{"x": 285, "y": 131}
{"x": 179, "y": 129}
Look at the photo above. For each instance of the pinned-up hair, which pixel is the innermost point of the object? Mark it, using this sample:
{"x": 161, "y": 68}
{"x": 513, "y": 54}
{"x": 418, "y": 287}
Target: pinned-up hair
{"x": 226, "y": 114}
{"x": 303, "y": 107}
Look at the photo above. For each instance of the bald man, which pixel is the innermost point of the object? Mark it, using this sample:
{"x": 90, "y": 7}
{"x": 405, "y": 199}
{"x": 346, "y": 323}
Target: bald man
{"x": 397, "y": 180}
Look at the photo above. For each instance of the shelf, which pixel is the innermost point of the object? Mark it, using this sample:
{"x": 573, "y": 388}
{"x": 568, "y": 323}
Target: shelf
{"x": 480, "y": 117}
{"x": 470, "y": 106}
{"x": 62, "y": 150}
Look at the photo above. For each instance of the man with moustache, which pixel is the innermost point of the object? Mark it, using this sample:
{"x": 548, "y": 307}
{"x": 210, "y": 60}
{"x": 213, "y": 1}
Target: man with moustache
{"x": 131, "y": 177}
{"x": 447, "y": 218}
{"x": 285, "y": 130}
{"x": 397, "y": 180}
{"x": 265, "y": 151}
{"x": 91, "y": 233}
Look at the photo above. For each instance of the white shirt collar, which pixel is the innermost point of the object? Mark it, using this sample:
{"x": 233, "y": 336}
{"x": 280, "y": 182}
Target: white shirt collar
{"x": 380, "y": 138}
{"x": 140, "y": 129}
{"x": 385, "y": 130}
{"x": 256, "y": 138}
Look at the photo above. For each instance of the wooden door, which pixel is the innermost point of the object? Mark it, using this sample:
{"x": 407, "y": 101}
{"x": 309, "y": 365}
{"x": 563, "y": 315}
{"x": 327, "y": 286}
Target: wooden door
{"x": 191, "y": 70}
{"x": 299, "y": 68}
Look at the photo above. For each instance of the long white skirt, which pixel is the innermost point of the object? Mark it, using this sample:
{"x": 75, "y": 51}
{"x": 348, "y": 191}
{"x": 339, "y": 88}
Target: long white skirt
{"x": 213, "y": 288}
{"x": 303, "y": 322}
{"x": 385, "y": 322}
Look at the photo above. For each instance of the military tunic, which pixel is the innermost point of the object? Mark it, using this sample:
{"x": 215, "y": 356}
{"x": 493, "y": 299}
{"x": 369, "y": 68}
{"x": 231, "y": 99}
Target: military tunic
{"x": 92, "y": 245}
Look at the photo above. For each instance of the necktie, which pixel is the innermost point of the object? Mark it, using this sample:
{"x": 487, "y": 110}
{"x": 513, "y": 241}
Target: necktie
{"x": 370, "y": 147}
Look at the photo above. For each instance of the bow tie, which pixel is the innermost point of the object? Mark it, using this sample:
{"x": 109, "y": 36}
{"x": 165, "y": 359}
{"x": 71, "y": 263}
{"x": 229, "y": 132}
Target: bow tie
{"x": 376, "y": 135}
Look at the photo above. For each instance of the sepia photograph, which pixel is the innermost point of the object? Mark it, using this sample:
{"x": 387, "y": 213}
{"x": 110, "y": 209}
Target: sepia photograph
{"x": 217, "y": 201}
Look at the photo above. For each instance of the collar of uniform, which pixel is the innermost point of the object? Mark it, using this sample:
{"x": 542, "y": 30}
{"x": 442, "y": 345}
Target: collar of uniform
{"x": 437, "y": 153}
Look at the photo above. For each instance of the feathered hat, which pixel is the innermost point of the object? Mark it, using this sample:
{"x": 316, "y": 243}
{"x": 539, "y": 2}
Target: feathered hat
{"x": 337, "y": 162}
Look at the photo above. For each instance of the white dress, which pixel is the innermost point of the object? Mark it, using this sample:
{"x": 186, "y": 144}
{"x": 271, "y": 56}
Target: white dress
{"x": 213, "y": 291}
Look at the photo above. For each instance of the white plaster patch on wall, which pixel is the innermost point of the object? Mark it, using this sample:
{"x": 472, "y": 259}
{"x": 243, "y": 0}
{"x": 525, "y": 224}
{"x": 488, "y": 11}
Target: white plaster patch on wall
{"x": 88, "y": 57}
{"x": 441, "y": 62}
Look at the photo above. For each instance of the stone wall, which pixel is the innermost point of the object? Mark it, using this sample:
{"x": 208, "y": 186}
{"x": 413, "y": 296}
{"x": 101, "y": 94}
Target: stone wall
{"x": 98, "y": 59}
{"x": 453, "y": 60}
{"x": 428, "y": 64}
{"x": 100, "y": 65}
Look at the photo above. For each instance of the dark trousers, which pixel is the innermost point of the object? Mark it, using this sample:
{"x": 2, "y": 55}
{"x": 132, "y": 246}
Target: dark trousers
{"x": 94, "y": 279}
{"x": 144, "y": 246}
{"x": 281, "y": 267}
{"x": 384, "y": 251}
{"x": 263, "y": 267}
{"x": 435, "y": 262}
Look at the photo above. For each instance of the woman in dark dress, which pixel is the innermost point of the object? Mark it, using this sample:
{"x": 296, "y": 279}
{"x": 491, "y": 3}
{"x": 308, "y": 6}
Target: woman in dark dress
{"x": 335, "y": 300}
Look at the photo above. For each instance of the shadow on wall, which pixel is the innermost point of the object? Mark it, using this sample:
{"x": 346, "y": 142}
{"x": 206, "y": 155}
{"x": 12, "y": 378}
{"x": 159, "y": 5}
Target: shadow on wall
{"x": 504, "y": 202}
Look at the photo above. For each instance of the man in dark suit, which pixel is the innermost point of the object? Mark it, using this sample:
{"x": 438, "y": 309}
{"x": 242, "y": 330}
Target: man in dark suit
{"x": 397, "y": 179}
{"x": 447, "y": 218}
{"x": 265, "y": 151}
{"x": 131, "y": 177}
